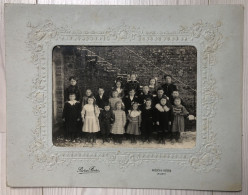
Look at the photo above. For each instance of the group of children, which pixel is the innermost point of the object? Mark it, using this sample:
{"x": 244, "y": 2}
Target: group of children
{"x": 131, "y": 111}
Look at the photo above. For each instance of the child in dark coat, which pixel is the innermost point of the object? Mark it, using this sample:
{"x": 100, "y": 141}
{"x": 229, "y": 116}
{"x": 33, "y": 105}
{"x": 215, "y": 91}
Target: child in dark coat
{"x": 101, "y": 98}
{"x": 147, "y": 115}
{"x": 163, "y": 119}
{"x": 106, "y": 118}
{"x": 129, "y": 100}
{"x": 72, "y": 117}
{"x": 132, "y": 84}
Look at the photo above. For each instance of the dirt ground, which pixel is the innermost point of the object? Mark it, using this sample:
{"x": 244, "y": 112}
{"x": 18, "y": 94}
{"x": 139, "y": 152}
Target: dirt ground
{"x": 188, "y": 141}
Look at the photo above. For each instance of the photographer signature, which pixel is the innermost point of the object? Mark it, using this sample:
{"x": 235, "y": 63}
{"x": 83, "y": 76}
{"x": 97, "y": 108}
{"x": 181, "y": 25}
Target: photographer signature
{"x": 92, "y": 169}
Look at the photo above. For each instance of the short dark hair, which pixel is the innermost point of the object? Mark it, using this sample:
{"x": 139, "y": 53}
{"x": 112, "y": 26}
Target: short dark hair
{"x": 160, "y": 88}
{"x": 101, "y": 87}
{"x": 72, "y": 77}
{"x": 72, "y": 93}
{"x": 148, "y": 99}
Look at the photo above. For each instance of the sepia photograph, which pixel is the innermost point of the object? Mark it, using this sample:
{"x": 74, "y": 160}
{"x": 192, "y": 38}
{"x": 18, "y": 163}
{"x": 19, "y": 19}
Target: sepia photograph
{"x": 124, "y": 96}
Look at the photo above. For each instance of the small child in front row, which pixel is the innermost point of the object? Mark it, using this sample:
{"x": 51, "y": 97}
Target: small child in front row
{"x": 163, "y": 119}
{"x": 179, "y": 112}
{"x": 119, "y": 124}
{"x": 147, "y": 114}
{"x": 90, "y": 115}
{"x": 71, "y": 116}
{"x": 106, "y": 118}
{"x": 134, "y": 118}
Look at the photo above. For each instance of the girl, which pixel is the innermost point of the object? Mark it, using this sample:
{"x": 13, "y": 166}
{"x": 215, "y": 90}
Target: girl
{"x": 71, "y": 116}
{"x": 153, "y": 86}
{"x": 120, "y": 122}
{"x": 179, "y": 112}
{"x": 134, "y": 118}
{"x": 88, "y": 94}
{"x": 147, "y": 120}
{"x": 163, "y": 119}
{"x": 114, "y": 99}
{"x": 119, "y": 89}
{"x": 90, "y": 115}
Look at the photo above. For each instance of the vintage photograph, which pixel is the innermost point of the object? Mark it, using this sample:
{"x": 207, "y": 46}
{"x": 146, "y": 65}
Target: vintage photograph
{"x": 124, "y": 96}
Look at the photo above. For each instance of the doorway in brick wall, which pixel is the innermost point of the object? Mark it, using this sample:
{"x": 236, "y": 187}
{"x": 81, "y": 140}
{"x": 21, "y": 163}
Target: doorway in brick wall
{"x": 101, "y": 66}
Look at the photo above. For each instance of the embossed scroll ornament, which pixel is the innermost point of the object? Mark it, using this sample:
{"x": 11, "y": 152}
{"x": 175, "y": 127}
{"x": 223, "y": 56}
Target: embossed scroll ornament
{"x": 203, "y": 159}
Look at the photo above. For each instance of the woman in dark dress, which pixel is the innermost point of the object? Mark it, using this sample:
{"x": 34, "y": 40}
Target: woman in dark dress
{"x": 72, "y": 117}
{"x": 73, "y": 88}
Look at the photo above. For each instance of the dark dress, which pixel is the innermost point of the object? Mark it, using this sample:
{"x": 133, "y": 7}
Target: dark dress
{"x": 142, "y": 97}
{"x": 106, "y": 119}
{"x": 100, "y": 102}
{"x": 169, "y": 88}
{"x": 147, "y": 120}
{"x": 132, "y": 85}
{"x": 163, "y": 117}
{"x": 71, "y": 114}
{"x": 72, "y": 89}
{"x": 128, "y": 102}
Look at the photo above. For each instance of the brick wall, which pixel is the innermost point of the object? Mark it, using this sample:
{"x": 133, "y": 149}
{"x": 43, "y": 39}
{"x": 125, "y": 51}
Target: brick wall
{"x": 99, "y": 65}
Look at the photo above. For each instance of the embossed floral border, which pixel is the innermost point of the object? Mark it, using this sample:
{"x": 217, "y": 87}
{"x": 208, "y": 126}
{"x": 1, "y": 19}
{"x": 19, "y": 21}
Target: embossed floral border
{"x": 210, "y": 38}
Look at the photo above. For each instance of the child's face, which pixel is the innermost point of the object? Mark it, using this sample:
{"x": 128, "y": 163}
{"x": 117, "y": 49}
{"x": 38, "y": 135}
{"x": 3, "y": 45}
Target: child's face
{"x": 160, "y": 92}
{"x": 163, "y": 101}
{"x": 133, "y": 77}
{"x": 118, "y": 84}
{"x": 115, "y": 94}
{"x": 145, "y": 89}
{"x": 107, "y": 108}
{"x": 132, "y": 93}
{"x": 135, "y": 106}
{"x": 168, "y": 79}
{"x": 101, "y": 91}
{"x": 90, "y": 101}
{"x": 175, "y": 94}
{"x": 118, "y": 106}
{"x": 152, "y": 82}
{"x": 73, "y": 82}
{"x": 177, "y": 102}
{"x": 148, "y": 103}
{"x": 88, "y": 92}
{"x": 72, "y": 97}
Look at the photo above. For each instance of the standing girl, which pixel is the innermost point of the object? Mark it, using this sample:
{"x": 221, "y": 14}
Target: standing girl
{"x": 119, "y": 124}
{"x": 90, "y": 115}
{"x": 134, "y": 118}
{"x": 71, "y": 116}
{"x": 163, "y": 119}
{"x": 179, "y": 112}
